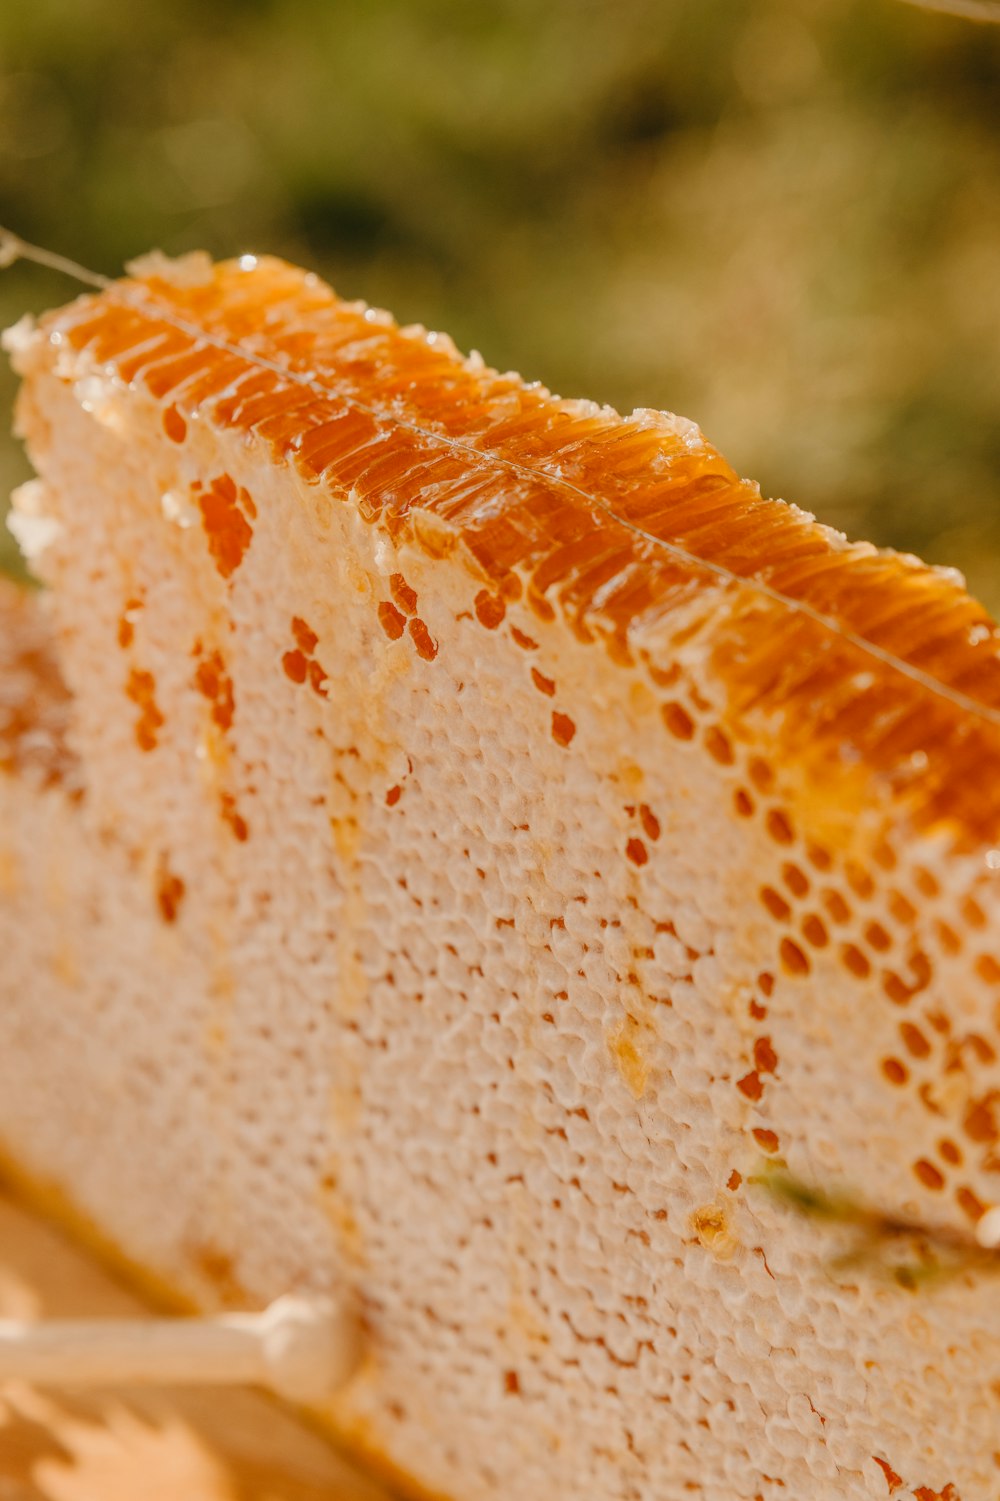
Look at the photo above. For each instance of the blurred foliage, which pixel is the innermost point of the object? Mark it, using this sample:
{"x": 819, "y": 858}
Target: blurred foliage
{"x": 781, "y": 218}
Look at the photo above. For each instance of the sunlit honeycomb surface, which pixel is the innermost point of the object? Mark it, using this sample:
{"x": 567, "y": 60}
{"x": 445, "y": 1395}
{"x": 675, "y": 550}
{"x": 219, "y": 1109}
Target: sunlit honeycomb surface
{"x": 461, "y": 895}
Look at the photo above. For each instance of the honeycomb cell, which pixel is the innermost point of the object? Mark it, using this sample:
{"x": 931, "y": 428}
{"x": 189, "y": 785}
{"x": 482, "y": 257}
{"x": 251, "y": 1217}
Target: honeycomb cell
{"x": 914, "y": 1041}
{"x": 898, "y": 992}
{"x": 391, "y": 621}
{"x": 988, "y": 969}
{"x": 490, "y": 612}
{"x": 837, "y": 909}
{"x": 678, "y": 721}
{"x": 854, "y": 960}
{"x": 404, "y": 596}
{"x": 859, "y": 880}
{"x": 174, "y": 425}
{"x": 779, "y": 826}
{"x": 719, "y": 746}
{"x": 233, "y": 818}
{"x": 170, "y": 893}
{"x": 775, "y": 904}
{"x": 126, "y": 622}
{"x": 877, "y": 938}
{"x": 980, "y": 1121}
{"x": 930, "y": 1176}
{"x": 793, "y": 960}
{"x": 764, "y": 1057}
{"x": 295, "y": 666}
{"x": 305, "y": 637}
{"x": 902, "y": 909}
{"x": 818, "y": 856}
{"x": 650, "y": 822}
{"x": 636, "y": 851}
{"x": 760, "y": 774}
{"x": 426, "y": 646}
{"x": 795, "y": 879}
{"x": 743, "y": 803}
{"x": 751, "y": 1086}
{"x": 141, "y": 689}
{"x": 214, "y": 683}
{"x": 563, "y": 728}
{"x": 814, "y": 930}
{"x": 970, "y": 1204}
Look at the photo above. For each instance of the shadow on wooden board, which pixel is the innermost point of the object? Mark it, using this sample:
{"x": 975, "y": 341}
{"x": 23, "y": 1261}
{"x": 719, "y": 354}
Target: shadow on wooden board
{"x": 151, "y": 1445}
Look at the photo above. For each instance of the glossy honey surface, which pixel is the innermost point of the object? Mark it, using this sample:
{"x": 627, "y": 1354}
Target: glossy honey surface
{"x": 849, "y": 655}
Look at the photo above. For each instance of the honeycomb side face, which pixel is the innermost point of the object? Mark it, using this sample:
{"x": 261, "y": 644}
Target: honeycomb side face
{"x": 523, "y": 948}
{"x": 34, "y": 701}
{"x": 86, "y": 1042}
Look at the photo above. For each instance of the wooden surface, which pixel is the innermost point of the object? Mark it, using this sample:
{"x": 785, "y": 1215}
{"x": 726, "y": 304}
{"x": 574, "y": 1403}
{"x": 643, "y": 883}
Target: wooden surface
{"x": 147, "y": 1445}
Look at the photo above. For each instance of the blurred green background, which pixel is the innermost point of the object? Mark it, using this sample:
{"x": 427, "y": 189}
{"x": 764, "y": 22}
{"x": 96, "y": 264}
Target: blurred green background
{"x": 781, "y": 217}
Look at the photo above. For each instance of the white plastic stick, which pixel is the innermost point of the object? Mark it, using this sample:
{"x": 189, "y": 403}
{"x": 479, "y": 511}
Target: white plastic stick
{"x": 303, "y": 1348}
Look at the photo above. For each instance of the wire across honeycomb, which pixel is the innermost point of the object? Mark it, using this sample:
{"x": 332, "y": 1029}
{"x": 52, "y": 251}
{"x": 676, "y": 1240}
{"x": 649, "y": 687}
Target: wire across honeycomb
{"x": 504, "y": 831}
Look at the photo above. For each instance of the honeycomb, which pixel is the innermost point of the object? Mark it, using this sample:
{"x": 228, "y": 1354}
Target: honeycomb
{"x": 34, "y": 702}
{"x": 505, "y": 832}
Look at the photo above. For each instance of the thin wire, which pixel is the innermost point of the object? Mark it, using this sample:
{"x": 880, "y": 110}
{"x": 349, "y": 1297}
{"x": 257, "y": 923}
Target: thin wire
{"x": 13, "y": 248}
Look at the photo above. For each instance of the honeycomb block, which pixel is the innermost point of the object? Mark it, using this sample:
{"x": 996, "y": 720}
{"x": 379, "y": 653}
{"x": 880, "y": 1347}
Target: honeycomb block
{"x": 477, "y": 834}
